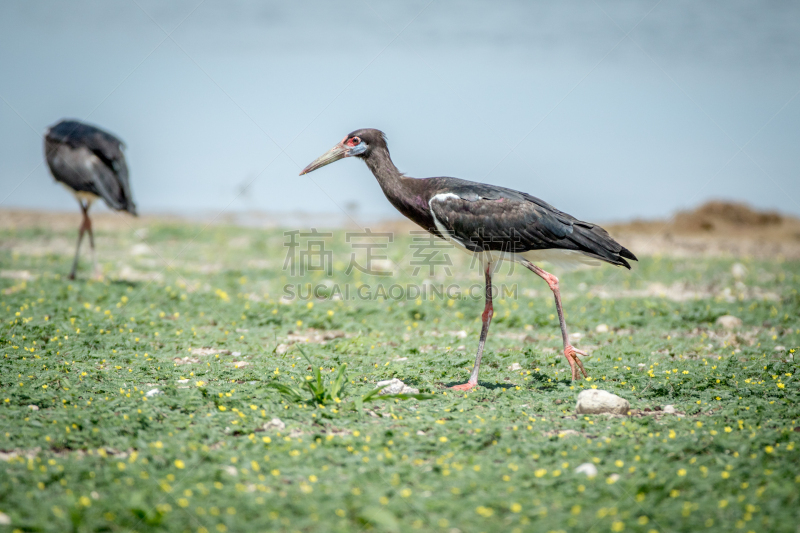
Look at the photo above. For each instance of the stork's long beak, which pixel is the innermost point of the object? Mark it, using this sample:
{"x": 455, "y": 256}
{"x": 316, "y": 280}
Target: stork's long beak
{"x": 334, "y": 154}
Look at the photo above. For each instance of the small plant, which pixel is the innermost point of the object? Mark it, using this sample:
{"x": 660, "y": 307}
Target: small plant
{"x": 315, "y": 391}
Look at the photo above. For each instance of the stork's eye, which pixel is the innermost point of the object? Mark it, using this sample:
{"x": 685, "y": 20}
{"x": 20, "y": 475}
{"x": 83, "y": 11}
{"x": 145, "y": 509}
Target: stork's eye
{"x": 354, "y": 141}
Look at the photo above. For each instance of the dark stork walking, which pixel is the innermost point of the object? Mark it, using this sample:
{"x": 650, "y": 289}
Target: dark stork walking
{"x": 90, "y": 163}
{"x": 495, "y": 222}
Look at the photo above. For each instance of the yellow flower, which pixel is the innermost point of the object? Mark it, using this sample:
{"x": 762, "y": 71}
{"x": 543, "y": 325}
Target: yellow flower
{"x": 515, "y": 508}
{"x": 769, "y": 449}
{"x": 222, "y": 408}
{"x": 682, "y": 472}
{"x": 540, "y": 472}
{"x": 179, "y": 464}
{"x": 200, "y": 383}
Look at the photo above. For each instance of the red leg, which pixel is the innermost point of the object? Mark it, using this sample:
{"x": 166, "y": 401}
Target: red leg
{"x": 570, "y": 352}
{"x": 486, "y": 318}
{"x": 96, "y": 270}
{"x": 85, "y": 224}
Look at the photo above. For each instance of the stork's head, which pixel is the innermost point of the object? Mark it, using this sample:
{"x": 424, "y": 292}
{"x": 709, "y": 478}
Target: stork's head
{"x": 359, "y": 143}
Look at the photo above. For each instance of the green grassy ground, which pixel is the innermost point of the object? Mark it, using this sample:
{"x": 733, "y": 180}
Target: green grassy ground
{"x": 86, "y": 449}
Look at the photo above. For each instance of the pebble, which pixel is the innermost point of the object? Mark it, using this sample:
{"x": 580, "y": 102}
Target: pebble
{"x": 669, "y": 409}
{"x": 596, "y": 401}
{"x": 152, "y": 392}
{"x": 738, "y": 270}
{"x": 729, "y": 322}
{"x": 587, "y": 468}
{"x": 33, "y": 407}
{"x": 275, "y": 423}
{"x": 515, "y": 366}
{"x": 4, "y": 519}
{"x": 780, "y": 348}
{"x": 395, "y": 386}
{"x": 601, "y": 328}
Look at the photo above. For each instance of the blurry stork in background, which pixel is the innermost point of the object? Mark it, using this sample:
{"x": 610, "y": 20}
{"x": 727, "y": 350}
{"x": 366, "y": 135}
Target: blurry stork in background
{"x": 495, "y": 222}
{"x": 90, "y": 163}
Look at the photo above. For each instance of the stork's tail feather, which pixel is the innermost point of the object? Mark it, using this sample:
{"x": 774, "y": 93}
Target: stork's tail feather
{"x": 595, "y": 241}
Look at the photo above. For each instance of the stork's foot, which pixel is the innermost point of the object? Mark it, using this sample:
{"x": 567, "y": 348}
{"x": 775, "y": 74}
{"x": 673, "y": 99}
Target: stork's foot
{"x": 465, "y": 386}
{"x": 571, "y": 353}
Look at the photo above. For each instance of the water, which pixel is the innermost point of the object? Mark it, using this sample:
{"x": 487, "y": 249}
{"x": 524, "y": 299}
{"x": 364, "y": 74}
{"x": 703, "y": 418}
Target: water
{"x": 697, "y": 102}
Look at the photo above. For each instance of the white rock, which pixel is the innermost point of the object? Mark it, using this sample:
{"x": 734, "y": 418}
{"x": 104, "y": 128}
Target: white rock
{"x": 596, "y": 401}
{"x": 153, "y": 392}
{"x": 613, "y": 478}
{"x": 515, "y": 366}
{"x": 729, "y": 322}
{"x": 669, "y": 409}
{"x": 738, "y": 270}
{"x": 575, "y": 337}
{"x": 275, "y": 423}
{"x": 183, "y": 381}
{"x": 780, "y": 348}
{"x": 587, "y": 468}
{"x": 395, "y": 386}
{"x": 461, "y": 334}
{"x": 140, "y": 249}
{"x": 33, "y": 407}
{"x": 4, "y": 519}
{"x": 601, "y": 328}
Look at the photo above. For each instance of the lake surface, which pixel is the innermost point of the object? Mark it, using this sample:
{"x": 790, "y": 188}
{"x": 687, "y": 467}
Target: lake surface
{"x": 607, "y": 110}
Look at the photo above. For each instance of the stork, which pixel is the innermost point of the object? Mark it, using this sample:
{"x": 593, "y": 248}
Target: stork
{"x": 90, "y": 163}
{"x": 492, "y": 221}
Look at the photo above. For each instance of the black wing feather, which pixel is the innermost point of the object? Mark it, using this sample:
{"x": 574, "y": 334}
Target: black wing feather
{"x": 69, "y": 147}
{"x": 486, "y": 217}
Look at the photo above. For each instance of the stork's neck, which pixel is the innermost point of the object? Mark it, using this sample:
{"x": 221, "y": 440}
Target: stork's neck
{"x": 407, "y": 195}
{"x": 382, "y": 167}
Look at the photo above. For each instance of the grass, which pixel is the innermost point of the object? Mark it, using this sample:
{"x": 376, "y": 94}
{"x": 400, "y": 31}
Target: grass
{"x": 111, "y": 420}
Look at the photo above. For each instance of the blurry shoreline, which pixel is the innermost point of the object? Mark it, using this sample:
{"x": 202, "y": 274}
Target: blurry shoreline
{"x": 715, "y": 229}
